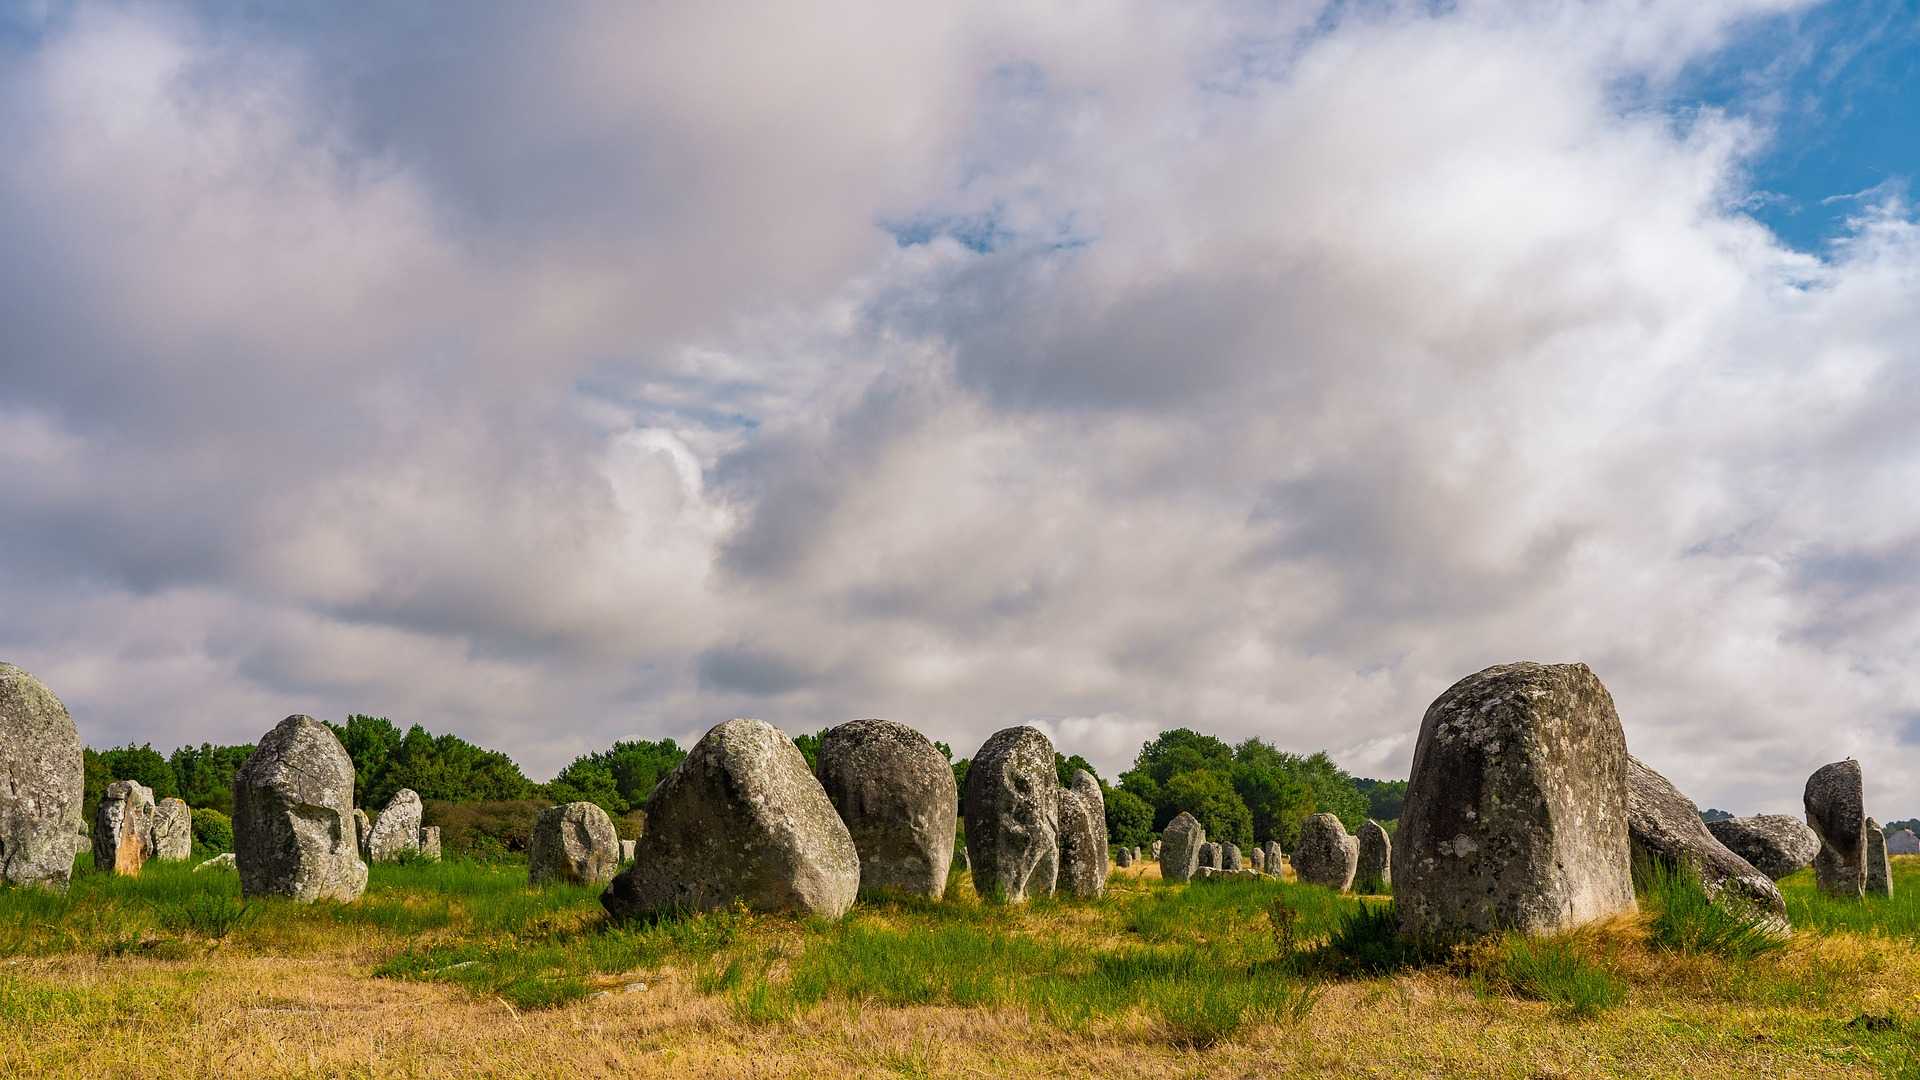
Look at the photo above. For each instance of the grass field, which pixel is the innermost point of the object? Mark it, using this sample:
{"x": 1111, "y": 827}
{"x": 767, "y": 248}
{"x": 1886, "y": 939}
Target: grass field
{"x": 459, "y": 969}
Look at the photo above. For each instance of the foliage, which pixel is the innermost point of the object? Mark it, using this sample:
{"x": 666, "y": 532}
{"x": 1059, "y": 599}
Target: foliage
{"x": 619, "y": 779}
{"x": 1275, "y": 790}
{"x": 1384, "y": 797}
{"x": 142, "y": 763}
{"x": 960, "y": 774}
{"x": 810, "y": 748}
{"x": 487, "y": 831}
{"x": 205, "y": 775}
{"x": 1711, "y": 815}
{"x": 212, "y": 830}
{"x": 1550, "y": 970}
{"x": 444, "y": 767}
{"x": 1065, "y": 766}
{"x": 1129, "y": 819}
{"x": 1209, "y": 797}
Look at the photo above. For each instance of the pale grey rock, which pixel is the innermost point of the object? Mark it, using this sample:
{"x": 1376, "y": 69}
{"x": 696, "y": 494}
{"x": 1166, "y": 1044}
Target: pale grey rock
{"x": 626, "y": 850}
{"x": 1835, "y": 801}
{"x": 362, "y": 834}
{"x": 1664, "y": 825}
{"x": 1012, "y": 807}
{"x": 1516, "y": 810}
{"x": 223, "y": 861}
{"x": 429, "y": 843}
{"x": 293, "y": 816}
{"x": 1774, "y": 844}
{"x": 1374, "y": 872}
{"x": 1179, "y": 847}
{"x": 1879, "y": 867}
{"x": 42, "y": 776}
{"x": 740, "y": 819}
{"x": 396, "y": 832}
{"x": 1096, "y": 800}
{"x": 1275, "y": 858}
{"x": 573, "y": 843}
{"x": 172, "y": 837}
{"x": 1903, "y": 842}
{"x": 1230, "y": 856}
{"x": 1083, "y": 858}
{"x": 1257, "y": 859}
{"x": 1156, "y": 851}
{"x": 1326, "y": 853}
{"x": 123, "y": 828}
{"x": 896, "y": 794}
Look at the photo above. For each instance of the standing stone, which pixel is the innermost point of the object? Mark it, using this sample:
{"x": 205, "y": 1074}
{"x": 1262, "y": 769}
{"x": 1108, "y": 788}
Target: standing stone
{"x": 42, "y": 776}
{"x": 1012, "y": 806}
{"x": 172, "y": 830}
{"x": 1257, "y": 859}
{"x": 1209, "y": 860}
{"x": 1275, "y": 859}
{"x": 1373, "y": 873}
{"x": 1326, "y": 854}
{"x": 574, "y": 843}
{"x": 363, "y": 834}
{"x": 1516, "y": 811}
{"x": 1096, "y": 800}
{"x": 626, "y": 851}
{"x": 1179, "y": 848}
{"x": 396, "y": 832}
{"x": 896, "y": 794}
{"x": 430, "y": 843}
{"x": 1664, "y": 826}
{"x": 1123, "y": 858}
{"x": 1879, "y": 868}
{"x": 1903, "y": 842}
{"x": 1083, "y": 856}
{"x": 1774, "y": 844}
{"x": 1835, "y": 799}
{"x": 740, "y": 819}
{"x": 123, "y": 828}
{"x": 293, "y": 816}
{"x": 1230, "y": 856}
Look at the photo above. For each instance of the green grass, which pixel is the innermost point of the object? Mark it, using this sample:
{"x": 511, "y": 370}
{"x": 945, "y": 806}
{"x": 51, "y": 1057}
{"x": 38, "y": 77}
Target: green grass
{"x": 1550, "y": 970}
{"x": 1894, "y": 916}
{"x": 1686, "y": 920}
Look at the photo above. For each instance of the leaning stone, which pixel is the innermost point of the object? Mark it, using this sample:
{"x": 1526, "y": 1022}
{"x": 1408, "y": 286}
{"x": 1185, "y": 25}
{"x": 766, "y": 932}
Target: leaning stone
{"x": 123, "y": 828}
{"x": 1516, "y": 811}
{"x": 1083, "y": 858}
{"x": 1257, "y": 859}
{"x": 896, "y": 794}
{"x": 1903, "y": 842}
{"x": 1664, "y": 826}
{"x": 740, "y": 819}
{"x": 1373, "y": 873}
{"x": 1179, "y": 848}
{"x": 1012, "y": 806}
{"x": 1774, "y": 844}
{"x": 396, "y": 832}
{"x": 223, "y": 861}
{"x": 1834, "y": 800}
{"x": 1879, "y": 869}
{"x": 293, "y": 816}
{"x": 172, "y": 830}
{"x": 430, "y": 843}
{"x": 1326, "y": 854}
{"x": 573, "y": 843}
{"x": 42, "y": 776}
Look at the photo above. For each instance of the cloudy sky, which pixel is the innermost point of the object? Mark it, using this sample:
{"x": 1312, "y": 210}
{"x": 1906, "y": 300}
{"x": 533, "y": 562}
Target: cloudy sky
{"x": 555, "y": 373}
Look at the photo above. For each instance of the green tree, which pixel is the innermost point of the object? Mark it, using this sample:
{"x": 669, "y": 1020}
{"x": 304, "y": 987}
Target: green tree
{"x": 1067, "y": 766}
{"x": 1268, "y": 781}
{"x": 93, "y": 783}
{"x": 1384, "y": 797}
{"x": 618, "y": 779}
{"x": 370, "y": 741}
{"x": 1129, "y": 819}
{"x": 206, "y": 774}
{"x": 142, "y": 763}
{"x": 810, "y": 748}
{"x": 1210, "y": 798}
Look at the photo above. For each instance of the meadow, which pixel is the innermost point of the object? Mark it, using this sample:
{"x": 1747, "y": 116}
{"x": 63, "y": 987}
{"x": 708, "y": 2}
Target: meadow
{"x": 460, "y": 969}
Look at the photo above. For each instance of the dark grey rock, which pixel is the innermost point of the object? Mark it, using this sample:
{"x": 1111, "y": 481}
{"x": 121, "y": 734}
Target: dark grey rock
{"x": 1774, "y": 844}
{"x": 1903, "y": 842}
{"x": 895, "y": 792}
{"x": 1083, "y": 856}
{"x": 1835, "y": 800}
{"x": 1179, "y": 847}
{"x": 1012, "y": 806}
{"x": 396, "y": 833}
{"x": 1374, "y": 872}
{"x": 430, "y": 843}
{"x": 1123, "y": 858}
{"x": 573, "y": 843}
{"x": 42, "y": 775}
{"x": 1209, "y": 856}
{"x": 172, "y": 837}
{"x": 1230, "y": 856}
{"x": 1664, "y": 825}
{"x": 740, "y": 819}
{"x": 293, "y": 816}
{"x": 1516, "y": 810}
{"x": 1879, "y": 867}
{"x": 123, "y": 828}
{"x": 1326, "y": 853}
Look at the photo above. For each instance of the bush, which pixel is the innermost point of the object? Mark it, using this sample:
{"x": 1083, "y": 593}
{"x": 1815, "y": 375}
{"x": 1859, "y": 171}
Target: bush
{"x": 212, "y": 830}
{"x": 483, "y": 830}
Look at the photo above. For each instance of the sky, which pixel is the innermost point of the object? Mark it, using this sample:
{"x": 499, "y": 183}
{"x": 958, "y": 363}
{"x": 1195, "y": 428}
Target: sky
{"x": 552, "y": 374}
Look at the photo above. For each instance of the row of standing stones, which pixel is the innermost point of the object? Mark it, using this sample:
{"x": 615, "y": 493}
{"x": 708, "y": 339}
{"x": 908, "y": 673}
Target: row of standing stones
{"x": 1524, "y": 811}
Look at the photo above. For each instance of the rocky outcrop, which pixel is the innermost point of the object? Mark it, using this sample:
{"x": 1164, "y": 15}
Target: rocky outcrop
{"x": 1664, "y": 826}
{"x": 1835, "y": 800}
{"x": 1774, "y": 844}
{"x": 896, "y": 794}
{"x": 293, "y": 816}
{"x": 573, "y": 843}
{"x": 42, "y": 775}
{"x": 1012, "y": 807}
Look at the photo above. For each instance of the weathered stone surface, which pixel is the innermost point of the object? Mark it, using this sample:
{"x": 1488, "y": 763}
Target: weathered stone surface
{"x": 172, "y": 837}
{"x": 1326, "y": 853}
{"x": 895, "y": 792}
{"x": 1209, "y": 856}
{"x": 1516, "y": 810}
{"x": 396, "y": 832}
{"x": 1096, "y": 800}
{"x": 1230, "y": 856}
{"x": 626, "y": 850}
{"x": 1835, "y": 800}
{"x": 1012, "y": 806}
{"x": 123, "y": 828}
{"x": 1123, "y": 858}
{"x": 1257, "y": 859}
{"x": 430, "y": 843}
{"x": 362, "y": 834}
{"x": 1664, "y": 825}
{"x": 1879, "y": 868}
{"x": 1179, "y": 847}
{"x": 1373, "y": 873}
{"x": 1903, "y": 842}
{"x": 293, "y": 816}
{"x": 222, "y": 861}
{"x": 1083, "y": 856}
{"x": 1774, "y": 844}
{"x": 740, "y": 819}
{"x": 574, "y": 842}
{"x": 42, "y": 775}
{"x": 1275, "y": 859}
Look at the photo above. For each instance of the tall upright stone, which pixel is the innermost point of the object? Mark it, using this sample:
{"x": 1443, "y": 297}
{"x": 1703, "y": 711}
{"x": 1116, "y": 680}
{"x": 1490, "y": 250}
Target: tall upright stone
{"x": 1156, "y": 851}
{"x": 1835, "y": 799}
{"x": 1179, "y": 847}
{"x": 123, "y": 828}
{"x": 363, "y": 834}
{"x": 1516, "y": 811}
{"x": 42, "y": 776}
{"x": 1374, "y": 872}
{"x": 1012, "y": 807}
{"x": 1879, "y": 867}
{"x": 430, "y": 843}
{"x": 1664, "y": 826}
{"x": 896, "y": 794}
{"x": 172, "y": 838}
{"x": 1326, "y": 854}
{"x": 396, "y": 833}
{"x": 1774, "y": 844}
{"x": 1230, "y": 856}
{"x": 1276, "y": 860}
{"x": 293, "y": 830}
{"x": 740, "y": 819}
{"x": 573, "y": 843}
{"x": 1209, "y": 856}
{"x": 1257, "y": 859}
{"x": 1083, "y": 855}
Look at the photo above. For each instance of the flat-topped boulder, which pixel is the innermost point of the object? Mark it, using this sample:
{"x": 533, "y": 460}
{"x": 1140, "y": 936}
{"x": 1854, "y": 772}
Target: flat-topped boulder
{"x": 1664, "y": 826}
{"x": 1774, "y": 844}
{"x": 293, "y": 830}
{"x": 1012, "y": 807}
{"x": 123, "y": 828}
{"x": 1326, "y": 853}
{"x": 42, "y": 777}
{"x": 1373, "y": 872}
{"x": 895, "y": 792}
{"x": 396, "y": 832}
{"x": 573, "y": 843}
{"x": 1179, "y": 847}
{"x": 172, "y": 838}
{"x": 1835, "y": 799}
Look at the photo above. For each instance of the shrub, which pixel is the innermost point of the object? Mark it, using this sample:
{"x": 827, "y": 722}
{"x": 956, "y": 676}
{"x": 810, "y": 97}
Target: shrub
{"x": 483, "y": 830}
{"x": 213, "y": 830}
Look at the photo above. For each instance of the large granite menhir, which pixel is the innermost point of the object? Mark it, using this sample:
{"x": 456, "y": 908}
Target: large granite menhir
{"x": 1089, "y": 791}
{"x": 896, "y": 794}
{"x": 293, "y": 829}
{"x": 1083, "y": 858}
{"x": 1774, "y": 844}
{"x": 1516, "y": 811}
{"x": 42, "y": 775}
{"x": 1012, "y": 807}
{"x": 1179, "y": 847}
{"x": 740, "y": 819}
{"x": 1835, "y": 800}
{"x": 172, "y": 830}
{"x": 1664, "y": 826}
